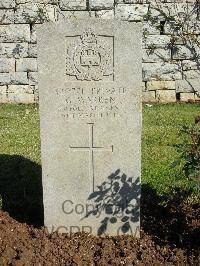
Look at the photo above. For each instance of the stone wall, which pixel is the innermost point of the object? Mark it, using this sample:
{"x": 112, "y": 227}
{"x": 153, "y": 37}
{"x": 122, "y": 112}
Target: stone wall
{"x": 171, "y": 49}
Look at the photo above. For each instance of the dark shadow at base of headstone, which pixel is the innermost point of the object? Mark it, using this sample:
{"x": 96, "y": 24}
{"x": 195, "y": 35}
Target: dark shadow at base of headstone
{"x": 21, "y": 189}
{"x": 167, "y": 218}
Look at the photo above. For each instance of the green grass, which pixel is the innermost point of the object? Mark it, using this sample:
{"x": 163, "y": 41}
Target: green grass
{"x": 19, "y": 135}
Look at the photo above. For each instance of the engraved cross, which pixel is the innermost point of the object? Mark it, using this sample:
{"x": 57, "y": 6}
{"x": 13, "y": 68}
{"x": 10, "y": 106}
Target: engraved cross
{"x": 91, "y": 149}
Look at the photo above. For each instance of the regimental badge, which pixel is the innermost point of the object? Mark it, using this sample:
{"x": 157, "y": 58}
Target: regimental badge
{"x": 89, "y": 57}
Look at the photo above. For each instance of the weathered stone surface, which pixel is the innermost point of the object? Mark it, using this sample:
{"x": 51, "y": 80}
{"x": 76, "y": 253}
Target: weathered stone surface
{"x": 73, "y": 5}
{"x": 37, "y": 1}
{"x": 156, "y": 55}
{"x": 156, "y": 41}
{"x": 162, "y": 71}
{"x": 183, "y": 52}
{"x": 7, "y": 65}
{"x": 35, "y": 13}
{"x": 190, "y": 65}
{"x": 184, "y": 97}
{"x": 19, "y": 78}
{"x": 151, "y": 28}
{"x": 161, "y": 85}
{"x": 32, "y": 50}
{"x": 3, "y": 94}
{"x": 189, "y": 85}
{"x": 90, "y": 115}
{"x": 33, "y": 78}
{"x": 101, "y": 4}
{"x": 105, "y": 14}
{"x": 7, "y": 3}
{"x": 15, "y": 50}
{"x": 26, "y": 64}
{"x": 166, "y": 96}
{"x": 191, "y": 74}
{"x": 75, "y": 14}
{"x": 14, "y": 33}
{"x": 4, "y": 78}
{"x": 149, "y": 96}
{"x": 179, "y": 11}
{"x": 21, "y": 94}
{"x": 6, "y": 16}
{"x": 33, "y": 37}
{"x": 131, "y": 12}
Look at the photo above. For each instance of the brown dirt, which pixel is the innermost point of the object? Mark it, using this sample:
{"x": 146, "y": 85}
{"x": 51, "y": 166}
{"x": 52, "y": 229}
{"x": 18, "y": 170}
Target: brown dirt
{"x": 170, "y": 236}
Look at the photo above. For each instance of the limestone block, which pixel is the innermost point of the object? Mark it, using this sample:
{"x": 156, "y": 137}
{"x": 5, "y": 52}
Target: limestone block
{"x": 190, "y": 65}
{"x": 6, "y": 16}
{"x": 5, "y": 78}
{"x": 73, "y": 5}
{"x": 15, "y": 50}
{"x": 191, "y": 74}
{"x": 7, "y": 3}
{"x": 35, "y": 13}
{"x": 194, "y": 27}
{"x": 26, "y": 64}
{"x": 14, "y": 33}
{"x": 166, "y": 96}
{"x": 33, "y": 37}
{"x": 189, "y": 85}
{"x": 19, "y": 78}
{"x": 161, "y": 71}
{"x": 188, "y": 27}
{"x": 150, "y": 28}
{"x": 105, "y": 14}
{"x": 7, "y": 65}
{"x": 131, "y": 12}
{"x": 156, "y": 41}
{"x": 149, "y": 96}
{"x": 21, "y": 94}
{"x": 180, "y": 11}
{"x": 143, "y": 86}
{"x": 101, "y": 4}
{"x": 184, "y": 52}
{"x": 3, "y": 94}
{"x": 33, "y": 78}
{"x": 32, "y": 50}
{"x": 75, "y": 14}
{"x": 37, "y": 1}
{"x": 156, "y": 55}
{"x": 161, "y": 85}
{"x": 184, "y": 97}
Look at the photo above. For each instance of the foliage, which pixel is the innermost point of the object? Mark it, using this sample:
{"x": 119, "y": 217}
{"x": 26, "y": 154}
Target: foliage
{"x": 189, "y": 152}
{"x": 176, "y": 23}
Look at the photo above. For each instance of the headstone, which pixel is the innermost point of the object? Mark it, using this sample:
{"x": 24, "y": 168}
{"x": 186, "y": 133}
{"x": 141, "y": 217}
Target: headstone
{"x": 90, "y": 112}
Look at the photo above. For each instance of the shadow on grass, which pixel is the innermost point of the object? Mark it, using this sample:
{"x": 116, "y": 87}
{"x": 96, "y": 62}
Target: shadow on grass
{"x": 21, "y": 189}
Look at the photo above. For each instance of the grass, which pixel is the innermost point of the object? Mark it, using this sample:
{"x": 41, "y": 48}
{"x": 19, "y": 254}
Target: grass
{"x": 19, "y": 135}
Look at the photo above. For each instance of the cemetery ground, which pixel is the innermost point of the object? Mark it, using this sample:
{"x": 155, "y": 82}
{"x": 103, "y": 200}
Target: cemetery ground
{"x": 170, "y": 214}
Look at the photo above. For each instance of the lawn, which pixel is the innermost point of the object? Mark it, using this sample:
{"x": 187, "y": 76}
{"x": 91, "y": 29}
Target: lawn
{"x": 20, "y": 142}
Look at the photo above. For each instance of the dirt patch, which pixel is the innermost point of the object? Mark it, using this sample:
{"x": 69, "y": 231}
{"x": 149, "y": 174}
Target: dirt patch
{"x": 170, "y": 236}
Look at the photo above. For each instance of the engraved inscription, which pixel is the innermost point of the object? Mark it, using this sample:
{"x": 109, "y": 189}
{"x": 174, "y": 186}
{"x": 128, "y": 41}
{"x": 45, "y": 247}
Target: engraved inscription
{"x": 91, "y": 148}
{"x": 89, "y": 58}
{"x": 96, "y": 102}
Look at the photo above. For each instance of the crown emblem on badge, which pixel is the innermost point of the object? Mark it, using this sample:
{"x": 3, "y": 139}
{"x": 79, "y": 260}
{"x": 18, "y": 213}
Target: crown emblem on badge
{"x": 89, "y": 58}
{"x": 89, "y": 37}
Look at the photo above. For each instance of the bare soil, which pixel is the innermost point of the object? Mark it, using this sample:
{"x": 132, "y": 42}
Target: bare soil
{"x": 170, "y": 236}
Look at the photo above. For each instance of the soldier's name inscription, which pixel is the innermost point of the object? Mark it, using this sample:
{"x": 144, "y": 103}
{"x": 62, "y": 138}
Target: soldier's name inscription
{"x": 96, "y": 102}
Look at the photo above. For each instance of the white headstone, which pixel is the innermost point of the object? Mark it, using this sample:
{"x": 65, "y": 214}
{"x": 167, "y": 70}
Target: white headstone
{"x": 90, "y": 111}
